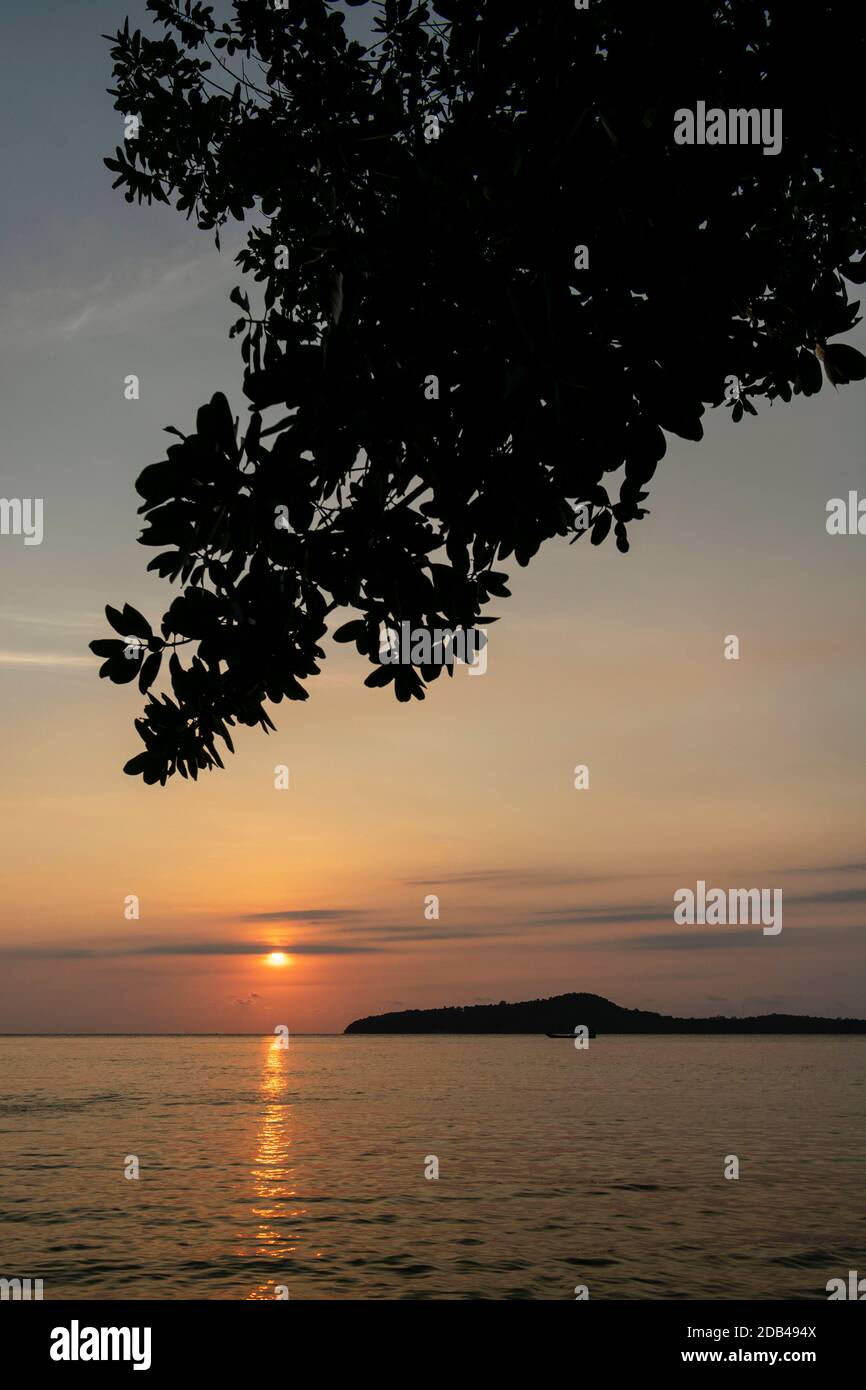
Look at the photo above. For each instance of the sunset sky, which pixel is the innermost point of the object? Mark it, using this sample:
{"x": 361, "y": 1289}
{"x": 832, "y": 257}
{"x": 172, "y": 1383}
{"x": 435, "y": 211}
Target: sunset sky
{"x": 744, "y": 773}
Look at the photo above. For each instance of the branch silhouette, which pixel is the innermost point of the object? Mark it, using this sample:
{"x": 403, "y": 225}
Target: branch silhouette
{"x": 491, "y": 282}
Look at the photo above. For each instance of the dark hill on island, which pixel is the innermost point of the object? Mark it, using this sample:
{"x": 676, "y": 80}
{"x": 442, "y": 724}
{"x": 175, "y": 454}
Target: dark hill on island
{"x": 564, "y": 1012}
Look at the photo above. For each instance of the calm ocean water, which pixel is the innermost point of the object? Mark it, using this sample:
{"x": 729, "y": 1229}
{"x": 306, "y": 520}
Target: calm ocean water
{"x": 305, "y": 1167}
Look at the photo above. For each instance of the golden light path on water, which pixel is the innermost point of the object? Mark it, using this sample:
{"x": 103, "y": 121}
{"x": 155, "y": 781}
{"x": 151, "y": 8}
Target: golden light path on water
{"x": 273, "y": 1175}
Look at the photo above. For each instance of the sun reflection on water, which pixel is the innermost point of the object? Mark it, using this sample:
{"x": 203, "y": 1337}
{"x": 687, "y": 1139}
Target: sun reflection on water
{"x": 273, "y": 1175}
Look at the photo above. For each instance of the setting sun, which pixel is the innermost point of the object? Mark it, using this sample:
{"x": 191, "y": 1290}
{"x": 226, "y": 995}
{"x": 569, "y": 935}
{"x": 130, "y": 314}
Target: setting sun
{"x": 277, "y": 958}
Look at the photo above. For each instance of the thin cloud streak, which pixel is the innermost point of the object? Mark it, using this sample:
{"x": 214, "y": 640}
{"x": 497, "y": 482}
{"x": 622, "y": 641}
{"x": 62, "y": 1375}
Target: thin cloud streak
{"x": 589, "y": 916}
{"x": 195, "y": 948}
{"x": 824, "y": 869}
{"x": 302, "y": 914}
{"x": 81, "y": 622}
{"x": 837, "y": 895}
{"x": 140, "y": 293}
{"x": 529, "y": 877}
{"x": 702, "y": 938}
{"x": 9, "y": 658}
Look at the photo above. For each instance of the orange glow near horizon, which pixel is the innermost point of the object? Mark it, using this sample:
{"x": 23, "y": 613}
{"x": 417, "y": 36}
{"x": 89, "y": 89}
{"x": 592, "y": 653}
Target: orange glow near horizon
{"x": 277, "y": 958}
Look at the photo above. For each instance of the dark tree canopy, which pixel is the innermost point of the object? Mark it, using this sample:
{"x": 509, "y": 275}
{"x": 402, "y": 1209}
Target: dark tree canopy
{"x": 436, "y": 379}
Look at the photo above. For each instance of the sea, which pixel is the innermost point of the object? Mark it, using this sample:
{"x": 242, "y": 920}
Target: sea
{"x": 494, "y": 1167}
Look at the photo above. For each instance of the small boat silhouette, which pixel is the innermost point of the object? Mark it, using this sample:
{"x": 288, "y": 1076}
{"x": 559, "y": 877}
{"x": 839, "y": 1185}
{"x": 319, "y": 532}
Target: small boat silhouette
{"x": 566, "y": 1035}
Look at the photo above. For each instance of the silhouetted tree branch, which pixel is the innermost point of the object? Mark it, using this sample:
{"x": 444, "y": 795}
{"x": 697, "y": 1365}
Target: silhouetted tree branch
{"x": 426, "y": 322}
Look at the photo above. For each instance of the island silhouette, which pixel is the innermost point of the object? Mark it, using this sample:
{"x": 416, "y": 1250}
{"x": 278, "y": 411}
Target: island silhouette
{"x": 562, "y": 1013}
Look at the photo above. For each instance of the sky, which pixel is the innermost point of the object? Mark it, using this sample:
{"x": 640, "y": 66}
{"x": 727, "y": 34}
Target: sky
{"x": 746, "y": 773}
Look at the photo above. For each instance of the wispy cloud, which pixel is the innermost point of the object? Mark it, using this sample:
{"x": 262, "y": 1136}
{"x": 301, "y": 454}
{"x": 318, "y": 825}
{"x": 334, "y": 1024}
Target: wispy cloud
{"x": 10, "y": 658}
{"x": 135, "y": 293}
{"x": 67, "y": 622}
{"x": 826, "y": 869}
{"x": 530, "y": 878}
{"x": 836, "y": 895}
{"x": 704, "y": 939}
{"x": 46, "y": 953}
{"x": 138, "y": 290}
{"x": 193, "y": 948}
{"x": 38, "y": 627}
{"x": 242, "y": 948}
{"x": 430, "y": 933}
{"x": 301, "y": 914}
{"x": 722, "y": 938}
{"x": 587, "y": 916}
